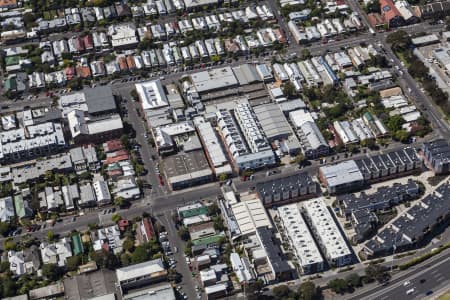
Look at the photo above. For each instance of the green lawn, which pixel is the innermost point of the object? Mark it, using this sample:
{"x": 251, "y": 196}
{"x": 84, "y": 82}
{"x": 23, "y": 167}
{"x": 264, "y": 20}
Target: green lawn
{"x": 446, "y": 296}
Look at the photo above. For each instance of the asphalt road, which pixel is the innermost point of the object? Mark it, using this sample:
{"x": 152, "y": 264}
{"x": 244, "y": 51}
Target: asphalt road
{"x": 435, "y": 271}
{"x": 187, "y": 283}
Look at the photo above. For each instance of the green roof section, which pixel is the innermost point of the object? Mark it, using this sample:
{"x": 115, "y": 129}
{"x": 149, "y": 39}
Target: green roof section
{"x": 77, "y": 244}
{"x": 194, "y": 212}
{"x": 368, "y": 116}
{"x": 12, "y": 60}
{"x": 10, "y": 84}
{"x": 19, "y": 206}
{"x": 208, "y": 240}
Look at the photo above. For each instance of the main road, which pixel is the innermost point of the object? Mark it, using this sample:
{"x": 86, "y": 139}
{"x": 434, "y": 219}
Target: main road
{"x": 431, "y": 275}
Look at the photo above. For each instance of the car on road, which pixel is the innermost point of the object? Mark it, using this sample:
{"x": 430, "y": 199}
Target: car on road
{"x": 406, "y": 283}
{"x": 429, "y": 293}
{"x": 410, "y": 291}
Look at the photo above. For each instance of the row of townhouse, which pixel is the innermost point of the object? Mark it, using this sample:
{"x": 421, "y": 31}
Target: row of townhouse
{"x": 327, "y": 29}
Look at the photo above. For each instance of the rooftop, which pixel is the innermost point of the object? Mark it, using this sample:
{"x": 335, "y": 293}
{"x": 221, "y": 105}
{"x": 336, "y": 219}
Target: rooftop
{"x": 342, "y": 173}
{"x": 214, "y": 79}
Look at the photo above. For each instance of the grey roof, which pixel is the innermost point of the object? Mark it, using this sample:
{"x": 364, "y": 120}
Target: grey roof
{"x": 311, "y": 137}
{"x": 285, "y": 183}
{"x": 272, "y": 120}
{"x": 186, "y": 166}
{"x": 89, "y": 285}
{"x": 100, "y": 99}
{"x": 413, "y": 225}
{"x": 279, "y": 265}
{"x": 342, "y": 173}
{"x": 383, "y": 198}
{"x": 246, "y": 74}
{"x": 291, "y": 105}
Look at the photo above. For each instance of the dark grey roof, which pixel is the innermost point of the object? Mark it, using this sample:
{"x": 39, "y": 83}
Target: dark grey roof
{"x": 100, "y": 99}
{"x": 387, "y": 161}
{"x": 412, "y": 154}
{"x": 273, "y": 251}
{"x": 292, "y": 182}
{"x": 383, "y": 198}
{"x": 414, "y": 224}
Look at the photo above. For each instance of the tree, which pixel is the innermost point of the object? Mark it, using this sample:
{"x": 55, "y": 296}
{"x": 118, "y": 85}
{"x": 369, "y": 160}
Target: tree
{"x": 401, "y": 135}
{"x": 73, "y": 262}
{"x": 50, "y": 236}
{"x": 305, "y": 54}
{"x": 124, "y": 140}
{"x": 9, "y": 244}
{"x": 289, "y": 89}
{"x": 7, "y": 287}
{"x": 213, "y": 209}
{"x": 399, "y": 40}
{"x": 395, "y": 123}
{"x": 116, "y": 218}
{"x": 85, "y": 176}
{"x": 374, "y": 272}
{"x": 139, "y": 255}
{"x": 354, "y": 280}
{"x": 307, "y": 291}
{"x": 145, "y": 44}
{"x": 223, "y": 177}
{"x": 373, "y": 7}
{"x": 134, "y": 94}
{"x": 338, "y": 285}
{"x": 418, "y": 70}
{"x": 51, "y": 271}
{"x": 4, "y": 228}
{"x": 281, "y": 291}
{"x": 125, "y": 259}
{"x": 128, "y": 245}
{"x": 4, "y": 266}
{"x": 119, "y": 201}
{"x": 218, "y": 224}
{"x": 105, "y": 259}
{"x": 29, "y": 18}
{"x": 183, "y": 232}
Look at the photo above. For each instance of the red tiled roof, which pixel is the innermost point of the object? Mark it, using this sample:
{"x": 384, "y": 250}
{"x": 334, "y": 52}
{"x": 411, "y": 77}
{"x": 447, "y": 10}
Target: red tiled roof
{"x": 78, "y": 41}
{"x": 375, "y": 19}
{"x": 119, "y": 153}
{"x": 123, "y": 63}
{"x": 389, "y": 10}
{"x": 70, "y": 72}
{"x": 117, "y": 172}
{"x": 130, "y": 62}
{"x": 88, "y": 42}
{"x": 112, "y": 145}
{"x": 83, "y": 71}
{"x": 148, "y": 227}
{"x": 114, "y": 159}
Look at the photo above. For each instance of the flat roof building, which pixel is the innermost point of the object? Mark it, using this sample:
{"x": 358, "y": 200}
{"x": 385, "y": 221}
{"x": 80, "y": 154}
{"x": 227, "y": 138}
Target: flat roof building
{"x": 341, "y": 177}
{"x": 301, "y": 239}
{"x": 286, "y": 189}
{"x": 273, "y": 122}
{"x": 151, "y": 94}
{"x": 254, "y": 134}
{"x": 250, "y": 214}
{"x": 326, "y": 231}
{"x": 213, "y": 147}
{"x": 437, "y": 155}
{"x": 163, "y": 291}
{"x": 187, "y": 169}
{"x": 140, "y": 275}
{"x": 214, "y": 79}
{"x": 412, "y": 226}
